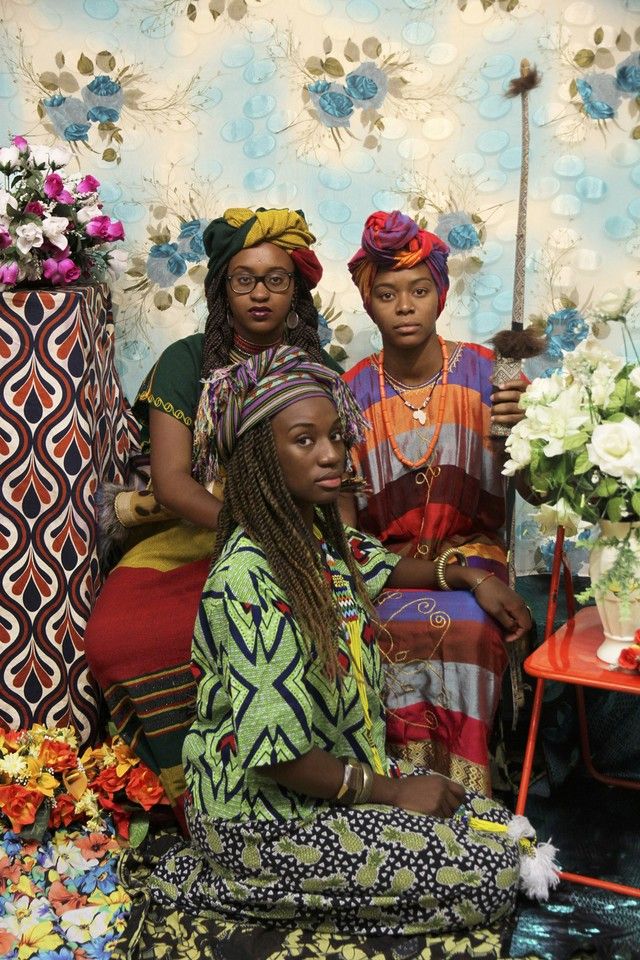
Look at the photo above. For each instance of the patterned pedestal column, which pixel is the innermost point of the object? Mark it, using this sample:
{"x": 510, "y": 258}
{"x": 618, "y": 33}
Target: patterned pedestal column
{"x": 64, "y": 427}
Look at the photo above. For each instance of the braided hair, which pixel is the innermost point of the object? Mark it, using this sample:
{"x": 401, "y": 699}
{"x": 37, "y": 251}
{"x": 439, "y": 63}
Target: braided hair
{"x": 218, "y": 335}
{"x": 256, "y": 498}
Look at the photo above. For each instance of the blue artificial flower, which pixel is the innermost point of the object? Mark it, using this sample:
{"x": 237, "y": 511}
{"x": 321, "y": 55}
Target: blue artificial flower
{"x": 367, "y": 86}
{"x": 336, "y": 104}
{"x": 565, "y": 330}
{"x": 320, "y": 86}
{"x": 165, "y": 264}
{"x": 55, "y": 101}
{"x": 628, "y": 75}
{"x": 599, "y": 95}
{"x": 103, "y": 115}
{"x": 104, "y": 86}
{"x": 76, "y": 131}
{"x": 62, "y": 953}
{"x": 191, "y": 228}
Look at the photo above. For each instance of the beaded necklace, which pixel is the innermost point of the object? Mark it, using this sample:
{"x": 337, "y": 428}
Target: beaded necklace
{"x": 419, "y": 413}
{"x": 350, "y": 616}
{"x": 249, "y": 348}
{"x": 413, "y": 465}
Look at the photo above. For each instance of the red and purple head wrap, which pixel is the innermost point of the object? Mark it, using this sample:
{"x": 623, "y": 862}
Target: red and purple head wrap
{"x": 393, "y": 241}
{"x": 238, "y": 397}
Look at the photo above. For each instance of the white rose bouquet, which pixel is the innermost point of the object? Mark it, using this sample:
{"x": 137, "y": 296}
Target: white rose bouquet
{"x": 579, "y": 447}
{"x": 52, "y": 230}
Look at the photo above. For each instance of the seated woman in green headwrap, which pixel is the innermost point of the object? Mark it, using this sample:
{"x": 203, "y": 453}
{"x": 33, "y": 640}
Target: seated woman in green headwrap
{"x": 261, "y": 272}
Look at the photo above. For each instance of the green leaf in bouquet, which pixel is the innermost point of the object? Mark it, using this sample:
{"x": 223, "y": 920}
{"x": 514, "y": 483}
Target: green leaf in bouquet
{"x": 138, "y": 829}
{"x": 36, "y": 830}
{"x": 606, "y": 488}
{"x": 576, "y": 441}
{"x": 615, "y": 508}
{"x": 582, "y": 463}
{"x": 635, "y": 504}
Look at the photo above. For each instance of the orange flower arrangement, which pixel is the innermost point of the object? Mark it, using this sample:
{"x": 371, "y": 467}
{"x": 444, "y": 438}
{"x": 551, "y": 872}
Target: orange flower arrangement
{"x": 46, "y": 782}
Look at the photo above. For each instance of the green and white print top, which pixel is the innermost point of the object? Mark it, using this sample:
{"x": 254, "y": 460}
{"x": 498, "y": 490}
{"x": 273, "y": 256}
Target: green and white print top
{"x": 262, "y": 698}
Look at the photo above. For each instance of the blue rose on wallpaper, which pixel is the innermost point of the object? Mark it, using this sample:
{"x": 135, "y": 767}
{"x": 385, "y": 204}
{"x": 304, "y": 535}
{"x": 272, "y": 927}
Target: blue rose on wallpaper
{"x": 103, "y": 115}
{"x": 332, "y": 102}
{"x": 628, "y": 75}
{"x": 458, "y": 231}
{"x": 104, "y": 98}
{"x": 68, "y": 116}
{"x": 324, "y": 331}
{"x": 165, "y": 265}
{"x": 600, "y": 95}
{"x": 564, "y": 331}
{"x": 367, "y": 86}
{"x": 190, "y": 244}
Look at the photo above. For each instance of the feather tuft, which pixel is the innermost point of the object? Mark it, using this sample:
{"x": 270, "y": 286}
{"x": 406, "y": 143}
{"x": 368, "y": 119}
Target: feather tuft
{"x": 111, "y": 533}
{"x": 518, "y": 344}
{"x": 528, "y": 80}
{"x": 539, "y": 871}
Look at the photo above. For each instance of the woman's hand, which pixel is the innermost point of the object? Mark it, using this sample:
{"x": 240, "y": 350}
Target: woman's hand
{"x": 505, "y": 402}
{"x": 434, "y": 795}
{"x": 504, "y": 605}
{"x": 173, "y": 485}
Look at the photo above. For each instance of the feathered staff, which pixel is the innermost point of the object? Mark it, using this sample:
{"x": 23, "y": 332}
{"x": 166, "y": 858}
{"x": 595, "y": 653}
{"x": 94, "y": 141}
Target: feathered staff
{"x": 517, "y": 344}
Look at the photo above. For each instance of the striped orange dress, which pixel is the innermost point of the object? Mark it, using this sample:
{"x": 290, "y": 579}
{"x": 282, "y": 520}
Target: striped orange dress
{"x": 444, "y": 655}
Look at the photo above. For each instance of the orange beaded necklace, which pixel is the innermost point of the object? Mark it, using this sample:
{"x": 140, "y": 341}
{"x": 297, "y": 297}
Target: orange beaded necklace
{"x": 413, "y": 465}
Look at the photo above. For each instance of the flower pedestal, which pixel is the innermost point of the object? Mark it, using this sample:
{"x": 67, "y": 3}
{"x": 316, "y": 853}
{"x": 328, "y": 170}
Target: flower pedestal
{"x": 619, "y": 625}
{"x": 64, "y": 428}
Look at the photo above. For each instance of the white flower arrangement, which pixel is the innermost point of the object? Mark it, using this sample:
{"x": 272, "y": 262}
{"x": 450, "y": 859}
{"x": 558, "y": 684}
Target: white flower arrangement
{"x": 578, "y": 446}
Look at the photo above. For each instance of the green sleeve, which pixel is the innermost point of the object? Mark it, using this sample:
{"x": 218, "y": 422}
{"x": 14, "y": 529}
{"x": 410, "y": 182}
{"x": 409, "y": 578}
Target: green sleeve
{"x": 172, "y": 385}
{"x": 375, "y": 562}
{"x": 259, "y": 660}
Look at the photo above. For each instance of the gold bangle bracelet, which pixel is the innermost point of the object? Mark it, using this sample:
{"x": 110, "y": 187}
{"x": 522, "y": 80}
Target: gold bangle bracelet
{"x": 367, "y": 784}
{"x": 441, "y": 561}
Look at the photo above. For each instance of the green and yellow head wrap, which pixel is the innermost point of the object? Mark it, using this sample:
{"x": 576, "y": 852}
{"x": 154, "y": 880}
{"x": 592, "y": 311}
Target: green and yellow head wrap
{"x": 239, "y": 228}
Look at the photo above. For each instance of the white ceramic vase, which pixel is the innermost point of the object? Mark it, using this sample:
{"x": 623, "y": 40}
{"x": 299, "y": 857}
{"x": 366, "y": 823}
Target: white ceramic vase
{"x": 619, "y": 631}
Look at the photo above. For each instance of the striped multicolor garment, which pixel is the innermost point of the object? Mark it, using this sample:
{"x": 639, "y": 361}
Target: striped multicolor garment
{"x": 445, "y": 656}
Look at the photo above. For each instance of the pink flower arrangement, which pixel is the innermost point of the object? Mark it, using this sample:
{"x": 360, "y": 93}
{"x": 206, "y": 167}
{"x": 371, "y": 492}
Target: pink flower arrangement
{"x": 52, "y": 229}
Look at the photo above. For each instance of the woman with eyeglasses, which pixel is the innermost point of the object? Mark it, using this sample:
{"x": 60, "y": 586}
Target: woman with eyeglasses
{"x": 258, "y": 286}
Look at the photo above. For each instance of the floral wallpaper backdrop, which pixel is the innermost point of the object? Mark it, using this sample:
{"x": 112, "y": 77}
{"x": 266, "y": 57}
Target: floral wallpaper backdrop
{"x": 183, "y": 107}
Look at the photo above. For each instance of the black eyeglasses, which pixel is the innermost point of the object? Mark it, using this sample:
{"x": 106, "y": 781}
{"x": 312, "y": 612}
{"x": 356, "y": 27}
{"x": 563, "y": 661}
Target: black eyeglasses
{"x": 246, "y": 282}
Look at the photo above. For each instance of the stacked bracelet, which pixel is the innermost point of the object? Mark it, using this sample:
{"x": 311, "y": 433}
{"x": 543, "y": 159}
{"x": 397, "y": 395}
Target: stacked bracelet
{"x": 357, "y": 783}
{"x": 479, "y": 581}
{"x": 441, "y": 561}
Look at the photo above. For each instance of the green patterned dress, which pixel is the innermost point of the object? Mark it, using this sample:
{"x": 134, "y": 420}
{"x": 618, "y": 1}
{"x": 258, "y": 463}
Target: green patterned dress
{"x": 261, "y": 852}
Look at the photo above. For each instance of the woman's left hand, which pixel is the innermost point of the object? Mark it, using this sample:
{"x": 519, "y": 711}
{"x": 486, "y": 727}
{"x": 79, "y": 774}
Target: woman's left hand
{"x": 504, "y": 402}
{"x": 505, "y": 606}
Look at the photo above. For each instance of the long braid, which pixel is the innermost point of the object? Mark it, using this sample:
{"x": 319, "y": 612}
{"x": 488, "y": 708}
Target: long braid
{"x": 218, "y": 335}
{"x": 256, "y": 498}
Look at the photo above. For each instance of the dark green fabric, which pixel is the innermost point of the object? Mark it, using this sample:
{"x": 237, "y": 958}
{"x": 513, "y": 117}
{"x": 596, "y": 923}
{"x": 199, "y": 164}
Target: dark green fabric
{"x": 221, "y": 242}
{"x": 173, "y": 384}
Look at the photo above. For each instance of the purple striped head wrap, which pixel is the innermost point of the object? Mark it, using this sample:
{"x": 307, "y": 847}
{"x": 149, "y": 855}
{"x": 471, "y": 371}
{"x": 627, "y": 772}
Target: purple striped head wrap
{"x": 393, "y": 241}
{"x": 236, "y": 398}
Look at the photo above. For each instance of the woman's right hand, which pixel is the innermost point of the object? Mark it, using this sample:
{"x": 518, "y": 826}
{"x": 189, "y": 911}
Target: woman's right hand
{"x": 432, "y": 794}
{"x": 504, "y": 605}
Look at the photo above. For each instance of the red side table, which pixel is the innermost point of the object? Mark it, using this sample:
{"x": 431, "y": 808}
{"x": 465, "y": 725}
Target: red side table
{"x": 569, "y": 655}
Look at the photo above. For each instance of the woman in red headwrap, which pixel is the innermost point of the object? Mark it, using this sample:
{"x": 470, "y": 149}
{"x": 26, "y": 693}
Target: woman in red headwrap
{"x": 435, "y": 491}
{"x": 138, "y": 640}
